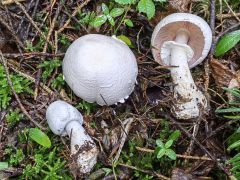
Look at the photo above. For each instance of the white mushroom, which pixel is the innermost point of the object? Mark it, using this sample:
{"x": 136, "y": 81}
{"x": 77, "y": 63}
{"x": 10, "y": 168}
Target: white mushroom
{"x": 183, "y": 40}
{"x": 63, "y": 119}
{"x": 100, "y": 69}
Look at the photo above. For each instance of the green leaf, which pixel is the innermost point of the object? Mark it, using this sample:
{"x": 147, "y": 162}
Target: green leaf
{"x": 3, "y": 165}
{"x": 99, "y": 20}
{"x": 111, "y": 20}
{"x": 233, "y": 91}
{"x": 105, "y": 9}
{"x": 228, "y": 110}
{"x": 227, "y": 42}
{"x": 124, "y": 2}
{"x": 159, "y": 143}
{"x": 174, "y": 135}
{"x": 160, "y": 153}
{"x": 147, "y": 7}
{"x": 234, "y": 145}
{"x": 40, "y": 137}
{"x": 169, "y": 144}
{"x": 171, "y": 154}
{"x": 116, "y": 12}
{"x": 128, "y": 22}
{"x": 233, "y": 117}
{"x": 125, "y": 39}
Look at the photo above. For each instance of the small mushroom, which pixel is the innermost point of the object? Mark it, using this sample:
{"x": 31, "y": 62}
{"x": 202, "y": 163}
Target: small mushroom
{"x": 100, "y": 69}
{"x": 63, "y": 119}
{"x": 183, "y": 40}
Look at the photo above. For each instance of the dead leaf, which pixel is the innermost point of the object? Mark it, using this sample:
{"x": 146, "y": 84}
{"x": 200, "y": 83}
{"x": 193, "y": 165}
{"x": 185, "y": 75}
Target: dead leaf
{"x": 221, "y": 73}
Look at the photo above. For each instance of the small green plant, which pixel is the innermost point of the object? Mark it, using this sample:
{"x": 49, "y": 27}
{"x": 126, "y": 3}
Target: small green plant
{"x": 20, "y": 85}
{"x": 58, "y": 82}
{"x": 144, "y": 6}
{"x": 108, "y": 15}
{"x": 165, "y": 149}
{"x": 13, "y": 117}
{"x": 45, "y": 166}
{"x": 234, "y": 140}
{"x": 227, "y": 42}
{"x": 15, "y": 156}
{"x": 89, "y": 107}
{"x": 49, "y": 66}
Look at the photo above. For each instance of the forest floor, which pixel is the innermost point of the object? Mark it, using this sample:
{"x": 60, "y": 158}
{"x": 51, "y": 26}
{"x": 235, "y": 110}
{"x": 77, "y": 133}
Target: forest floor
{"x": 34, "y": 36}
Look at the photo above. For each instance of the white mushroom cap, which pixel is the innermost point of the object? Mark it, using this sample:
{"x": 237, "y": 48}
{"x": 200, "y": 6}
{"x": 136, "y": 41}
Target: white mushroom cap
{"x": 200, "y": 37}
{"x": 59, "y": 114}
{"x": 100, "y": 69}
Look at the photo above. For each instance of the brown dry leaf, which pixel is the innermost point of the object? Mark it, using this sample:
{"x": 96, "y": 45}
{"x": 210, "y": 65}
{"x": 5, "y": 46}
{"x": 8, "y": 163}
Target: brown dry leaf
{"x": 180, "y": 5}
{"x": 178, "y": 174}
{"x": 221, "y": 73}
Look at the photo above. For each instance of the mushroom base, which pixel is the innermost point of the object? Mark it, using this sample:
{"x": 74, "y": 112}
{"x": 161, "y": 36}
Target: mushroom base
{"x": 83, "y": 149}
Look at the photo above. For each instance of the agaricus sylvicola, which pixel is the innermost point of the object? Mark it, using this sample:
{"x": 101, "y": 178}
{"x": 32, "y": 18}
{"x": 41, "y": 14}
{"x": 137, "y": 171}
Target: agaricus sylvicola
{"x": 100, "y": 69}
{"x": 183, "y": 40}
{"x": 63, "y": 119}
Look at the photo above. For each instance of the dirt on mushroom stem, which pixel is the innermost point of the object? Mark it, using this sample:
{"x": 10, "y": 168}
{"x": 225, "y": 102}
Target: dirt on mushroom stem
{"x": 149, "y": 115}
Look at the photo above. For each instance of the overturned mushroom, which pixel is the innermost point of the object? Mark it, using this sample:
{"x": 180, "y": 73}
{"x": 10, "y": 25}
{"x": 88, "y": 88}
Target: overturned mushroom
{"x": 100, "y": 69}
{"x": 63, "y": 119}
{"x": 183, "y": 40}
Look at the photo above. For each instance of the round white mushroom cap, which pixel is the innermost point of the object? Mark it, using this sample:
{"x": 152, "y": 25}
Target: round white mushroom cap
{"x": 100, "y": 69}
{"x": 200, "y": 37}
{"x": 59, "y": 114}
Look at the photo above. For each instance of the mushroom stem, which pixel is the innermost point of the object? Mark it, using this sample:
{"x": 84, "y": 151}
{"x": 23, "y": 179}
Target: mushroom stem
{"x": 188, "y": 99}
{"x": 83, "y": 149}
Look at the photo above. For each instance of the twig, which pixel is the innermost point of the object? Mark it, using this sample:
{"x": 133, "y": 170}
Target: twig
{"x": 31, "y": 54}
{"x": 52, "y": 26}
{"x": 212, "y": 24}
{"x": 234, "y": 14}
{"x": 8, "y": 2}
{"x": 219, "y": 16}
{"x": 178, "y": 155}
{"x": 199, "y": 144}
{"x": 152, "y": 173}
{"x": 124, "y": 134}
{"x": 12, "y": 32}
{"x": 31, "y": 20}
{"x": 226, "y": 31}
{"x": 73, "y": 14}
{"x": 15, "y": 94}
{"x": 68, "y": 21}
{"x": 194, "y": 134}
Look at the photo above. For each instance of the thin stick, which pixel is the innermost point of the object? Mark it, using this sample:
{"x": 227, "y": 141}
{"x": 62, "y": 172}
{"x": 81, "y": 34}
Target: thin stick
{"x": 15, "y": 94}
{"x": 31, "y": 20}
{"x": 234, "y": 14}
{"x": 124, "y": 134}
{"x": 212, "y": 24}
{"x": 199, "y": 144}
{"x": 47, "y": 89}
{"x": 145, "y": 171}
{"x": 32, "y": 54}
{"x": 178, "y": 155}
{"x": 219, "y": 16}
{"x": 12, "y": 32}
{"x": 8, "y": 2}
{"x": 227, "y": 30}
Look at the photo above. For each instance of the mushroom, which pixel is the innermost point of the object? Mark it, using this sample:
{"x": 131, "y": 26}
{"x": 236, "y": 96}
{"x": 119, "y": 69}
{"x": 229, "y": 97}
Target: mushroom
{"x": 182, "y": 41}
{"x": 100, "y": 69}
{"x": 63, "y": 119}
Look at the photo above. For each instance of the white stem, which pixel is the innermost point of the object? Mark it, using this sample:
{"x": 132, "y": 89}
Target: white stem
{"x": 188, "y": 98}
{"x": 83, "y": 147}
